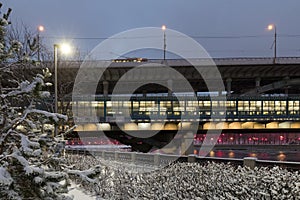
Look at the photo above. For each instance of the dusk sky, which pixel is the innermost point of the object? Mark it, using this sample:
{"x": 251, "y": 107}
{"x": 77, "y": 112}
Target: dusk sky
{"x": 231, "y": 28}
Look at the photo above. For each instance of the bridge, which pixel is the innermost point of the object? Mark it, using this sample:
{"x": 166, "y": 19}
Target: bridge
{"x": 253, "y": 76}
{"x": 259, "y": 103}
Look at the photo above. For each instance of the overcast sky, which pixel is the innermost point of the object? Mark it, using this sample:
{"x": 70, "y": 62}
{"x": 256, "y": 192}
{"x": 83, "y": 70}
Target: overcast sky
{"x": 221, "y": 27}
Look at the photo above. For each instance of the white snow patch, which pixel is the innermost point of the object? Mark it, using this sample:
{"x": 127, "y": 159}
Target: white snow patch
{"x": 5, "y": 178}
{"x": 21, "y": 159}
{"x": 30, "y": 169}
{"x": 78, "y": 194}
{"x": 44, "y": 94}
{"x": 26, "y": 144}
{"x": 38, "y": 179}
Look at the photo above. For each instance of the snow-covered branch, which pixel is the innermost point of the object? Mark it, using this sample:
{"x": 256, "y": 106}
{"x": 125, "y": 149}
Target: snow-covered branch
{"x": 30, "y": 169}
{"x": 25, "y": 87}
{"x": 54, "y": 116}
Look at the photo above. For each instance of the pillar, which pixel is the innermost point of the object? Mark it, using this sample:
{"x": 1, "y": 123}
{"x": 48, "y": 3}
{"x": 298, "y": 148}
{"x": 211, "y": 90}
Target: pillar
{"x": 156, "y": 159}
{"x": 105, "y": 88}
{"x": 116, "y": 156}
{"x": 250, "y": 162}
{"x": 286, "y": 88}
{"x": 257, "y": 82}
{"x": 144, "y": 93}
{"x": 191, "y": 158}
{"x": 133, "y": 157}
{"x": 228, "y": 86}
{"x": 170, "y": 87}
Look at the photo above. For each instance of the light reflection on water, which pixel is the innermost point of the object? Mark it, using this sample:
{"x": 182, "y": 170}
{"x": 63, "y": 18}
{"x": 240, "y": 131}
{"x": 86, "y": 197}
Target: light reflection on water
{"x": 281, "y": 156}
{"x": 272, "y": 155}
{"x": 231, "y": 154}
{"x": 252, "y": 154}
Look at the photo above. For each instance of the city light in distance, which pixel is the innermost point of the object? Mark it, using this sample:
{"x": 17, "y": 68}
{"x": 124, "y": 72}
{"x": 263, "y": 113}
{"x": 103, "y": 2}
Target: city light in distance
{"x": 41, "y": 28}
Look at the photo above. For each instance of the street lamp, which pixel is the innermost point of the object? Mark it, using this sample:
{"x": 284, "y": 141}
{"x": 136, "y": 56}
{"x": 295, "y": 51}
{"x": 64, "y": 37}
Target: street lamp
{"x": 65, "y": 49}
{"x": 165, "y": 44}
{"x": 40, "y": 29}
{"x": 270, "y": 28}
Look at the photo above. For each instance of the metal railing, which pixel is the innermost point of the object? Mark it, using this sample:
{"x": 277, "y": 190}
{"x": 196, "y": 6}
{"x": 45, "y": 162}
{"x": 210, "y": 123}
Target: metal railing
{"x": 157, "y": 160}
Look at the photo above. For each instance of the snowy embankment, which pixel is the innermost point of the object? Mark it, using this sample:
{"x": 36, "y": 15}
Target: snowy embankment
{"x": 187, "y": 181}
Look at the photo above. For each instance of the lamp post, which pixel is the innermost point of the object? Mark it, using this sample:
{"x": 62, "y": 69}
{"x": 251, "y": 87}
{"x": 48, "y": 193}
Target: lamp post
{"x": 273, "y": 27}
{"x": 55, "y": 77}
{"x": 40, "y": 29}
{"x": 65, "y": 49}
{"x": 165, "y": 44}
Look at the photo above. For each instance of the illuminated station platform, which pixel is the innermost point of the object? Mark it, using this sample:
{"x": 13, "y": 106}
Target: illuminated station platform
{"x": 260, "y": 104}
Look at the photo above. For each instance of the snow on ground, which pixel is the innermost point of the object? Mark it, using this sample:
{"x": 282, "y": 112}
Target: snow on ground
{"x": 78, "y": 194}
{"x": 112, "y": 146}
{"x": 97, "y": 147}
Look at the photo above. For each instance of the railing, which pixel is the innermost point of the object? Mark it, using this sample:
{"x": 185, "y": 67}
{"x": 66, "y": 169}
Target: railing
{"x": 157, "y": 160}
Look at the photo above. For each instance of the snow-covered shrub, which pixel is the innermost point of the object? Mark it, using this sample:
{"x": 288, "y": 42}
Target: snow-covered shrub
{"x": 187, "y": 181}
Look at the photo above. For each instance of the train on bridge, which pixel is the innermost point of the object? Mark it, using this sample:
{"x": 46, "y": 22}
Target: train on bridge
{"x": 241, "y": 120}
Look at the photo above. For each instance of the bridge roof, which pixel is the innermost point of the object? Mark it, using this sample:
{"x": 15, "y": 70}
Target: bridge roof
{"x": 218, "y": 61}
{"x": 242, "y": 71}
{"x": 247, "y": 61}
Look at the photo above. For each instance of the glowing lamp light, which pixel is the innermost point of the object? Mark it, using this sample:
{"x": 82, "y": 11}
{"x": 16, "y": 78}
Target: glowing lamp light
{"x": 231, "y": 138}
{"x": 271, "y": 27}
{"x": 65, "y": 48}
{"x": 163, "y": 27}
{"x": 41, "y": 28}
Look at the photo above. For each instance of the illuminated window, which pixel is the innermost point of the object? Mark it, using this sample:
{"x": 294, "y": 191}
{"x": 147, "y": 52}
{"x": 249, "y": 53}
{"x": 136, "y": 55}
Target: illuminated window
{"x": 108, "y": 104}
{"x": 204, "y": 105}
{"x": 167, "y": 104}
{"x": 192, "y": 103}
{"x": 214, "y": 104}
{"x": 293, "y": 107}
{"x": 243, "y": 106}
{"x": 126, "y": 104}
{"x": 230, "y": 105}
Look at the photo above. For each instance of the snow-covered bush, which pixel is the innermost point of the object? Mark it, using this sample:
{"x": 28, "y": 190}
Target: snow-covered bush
{"x": 187, "y": 181}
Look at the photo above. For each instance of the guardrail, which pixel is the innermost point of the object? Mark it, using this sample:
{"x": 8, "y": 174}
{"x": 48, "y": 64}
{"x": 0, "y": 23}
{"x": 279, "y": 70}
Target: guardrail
{"x": 164, "y": 159}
